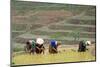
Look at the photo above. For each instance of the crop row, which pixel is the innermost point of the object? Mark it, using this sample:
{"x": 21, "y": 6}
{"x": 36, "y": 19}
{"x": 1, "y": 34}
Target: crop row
{"x": 66, "y": 34}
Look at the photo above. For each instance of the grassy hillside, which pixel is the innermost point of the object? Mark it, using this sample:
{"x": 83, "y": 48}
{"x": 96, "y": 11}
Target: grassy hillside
{"x": 64, "y": 22}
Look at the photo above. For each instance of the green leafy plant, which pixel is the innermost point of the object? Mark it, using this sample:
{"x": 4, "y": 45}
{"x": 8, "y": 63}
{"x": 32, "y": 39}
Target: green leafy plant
{"x": 75, "y": 34}
{"x": 55, "y": 36}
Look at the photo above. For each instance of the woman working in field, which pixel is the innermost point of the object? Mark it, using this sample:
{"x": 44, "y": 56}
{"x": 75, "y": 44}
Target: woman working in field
{"x": 53, "y": 46}
{"x": 39, "y": 46}
{"x": 35, "y": 47}
{"x": 30, "y": 46}
{"x": 82, "y": 45}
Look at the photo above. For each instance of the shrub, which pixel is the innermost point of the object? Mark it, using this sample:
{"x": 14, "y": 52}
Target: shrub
{"x": 17, "y": 49}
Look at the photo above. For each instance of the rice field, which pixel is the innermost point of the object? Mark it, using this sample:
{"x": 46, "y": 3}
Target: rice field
{"x": 64, "y": 55}
{"x": 52, "y": 21}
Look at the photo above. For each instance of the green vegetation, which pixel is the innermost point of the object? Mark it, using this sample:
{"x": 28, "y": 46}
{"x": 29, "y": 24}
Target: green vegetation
{"x": 19, "y": 27}
{"x": 15, "y": 34}
{"x": 17, "y": 49}
{"x": 63, "y": 22}
{"x": 76, "y": 34}
{"x": 69, "y": 55}
{"x": 30, "y": 16}
{"x": 82, "y": 21}
{"x": 31, "y": 19}
{"x": 66, "y": 27}
{"x": 24, "y": 7}
{"x": 56, "y": 35}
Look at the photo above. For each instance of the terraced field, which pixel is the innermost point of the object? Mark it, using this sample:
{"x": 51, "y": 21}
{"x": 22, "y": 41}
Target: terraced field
{"x": 52, "y": 21}
{"x": 64, "y": 22}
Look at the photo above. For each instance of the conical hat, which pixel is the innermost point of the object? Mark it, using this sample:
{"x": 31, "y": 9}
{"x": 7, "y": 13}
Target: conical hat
{"x": 88, "y": 42}
{"x": 39, "y": 41}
